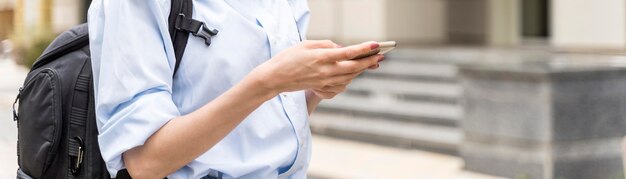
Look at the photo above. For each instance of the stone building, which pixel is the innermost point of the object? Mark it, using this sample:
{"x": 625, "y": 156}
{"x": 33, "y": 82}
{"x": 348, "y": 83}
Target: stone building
{"x": 41, "y": 15}
{"x": 568, "y": 24}
{"x": 6, "y": 17}
{"x": 571, "y": 24}
{"x": 539, "y": 92}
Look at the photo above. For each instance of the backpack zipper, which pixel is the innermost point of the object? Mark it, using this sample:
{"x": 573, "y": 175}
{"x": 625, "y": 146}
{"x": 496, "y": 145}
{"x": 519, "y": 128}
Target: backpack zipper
{"x": 15, "y": 115}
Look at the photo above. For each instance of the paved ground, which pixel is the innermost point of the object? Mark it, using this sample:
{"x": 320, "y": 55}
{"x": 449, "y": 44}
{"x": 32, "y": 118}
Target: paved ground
{"x": 11, "y": 77}
{"x": 332, "y": 158}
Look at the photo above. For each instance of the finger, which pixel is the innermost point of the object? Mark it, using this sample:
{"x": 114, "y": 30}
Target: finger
{"x": 341, "y": 79}
{"x": 349, "y": 52}
{"x": 353, "y": 66}
{"x": 315, "y": 44}
{"x": 324, "y": 95}
{"x": 334, "y": 89}
{"x": 373, "y": 67}
{"x": 365, "y": 55}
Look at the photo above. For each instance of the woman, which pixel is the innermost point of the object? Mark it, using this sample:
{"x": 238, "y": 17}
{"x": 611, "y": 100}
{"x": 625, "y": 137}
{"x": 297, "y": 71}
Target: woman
{"x": 236, "y": 109}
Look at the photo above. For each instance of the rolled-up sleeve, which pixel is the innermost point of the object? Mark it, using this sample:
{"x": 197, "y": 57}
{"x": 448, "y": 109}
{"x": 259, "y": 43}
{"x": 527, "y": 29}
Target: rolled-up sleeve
{"x": 133, "y": 62}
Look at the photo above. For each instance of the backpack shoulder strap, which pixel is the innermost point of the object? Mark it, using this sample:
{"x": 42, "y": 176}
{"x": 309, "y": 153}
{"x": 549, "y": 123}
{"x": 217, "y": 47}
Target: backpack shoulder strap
{"x": 179, "y": 38}
{"x": 181, "y": 24}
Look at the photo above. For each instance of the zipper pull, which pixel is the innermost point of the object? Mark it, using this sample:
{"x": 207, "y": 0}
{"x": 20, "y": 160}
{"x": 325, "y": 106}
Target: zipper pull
{"x": 15, "y": 115}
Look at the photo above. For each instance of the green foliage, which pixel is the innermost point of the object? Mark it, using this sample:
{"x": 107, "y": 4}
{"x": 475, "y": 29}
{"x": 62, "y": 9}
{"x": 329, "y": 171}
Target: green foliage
{"x": 619, "y": 175}
{"x": 522, "y": 176}
{"x": 28, "y": 49}
{"x": 36, "y": 49}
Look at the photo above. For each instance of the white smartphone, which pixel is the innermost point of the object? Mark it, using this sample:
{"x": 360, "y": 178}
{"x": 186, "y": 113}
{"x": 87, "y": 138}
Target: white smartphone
{"x": 383, "y": 47}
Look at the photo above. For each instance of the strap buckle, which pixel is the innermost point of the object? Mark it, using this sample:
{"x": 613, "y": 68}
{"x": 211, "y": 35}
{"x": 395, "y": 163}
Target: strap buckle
{"x": 78, "y": 160}
{"x": 195, "y": 27}
{"x": 179, "y": 22}
{"x": 205, "y": 33}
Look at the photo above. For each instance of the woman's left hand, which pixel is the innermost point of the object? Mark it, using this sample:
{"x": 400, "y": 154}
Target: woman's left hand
{"x": 314, "y": 96}
{"x": 330, "y": 91}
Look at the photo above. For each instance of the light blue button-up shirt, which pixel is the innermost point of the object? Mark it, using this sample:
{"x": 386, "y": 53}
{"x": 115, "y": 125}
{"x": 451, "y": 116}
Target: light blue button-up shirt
{"x": 133, "y": 61}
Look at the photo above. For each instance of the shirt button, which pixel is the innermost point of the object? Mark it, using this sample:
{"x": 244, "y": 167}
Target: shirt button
{"x": 284, "y": 95}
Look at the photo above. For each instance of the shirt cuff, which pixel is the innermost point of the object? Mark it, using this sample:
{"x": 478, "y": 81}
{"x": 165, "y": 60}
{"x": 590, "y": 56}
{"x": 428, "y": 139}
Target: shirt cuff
{"x": 130, "y": 124}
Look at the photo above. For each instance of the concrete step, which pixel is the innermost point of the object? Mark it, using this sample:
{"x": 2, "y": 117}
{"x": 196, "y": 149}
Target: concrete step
{"x": 408, "y": 70}
{"x": 384, "y": 107}
{"x": 406, "y": 90}
{"x": 430, "y": 55}
{"x": 386, "y": 132}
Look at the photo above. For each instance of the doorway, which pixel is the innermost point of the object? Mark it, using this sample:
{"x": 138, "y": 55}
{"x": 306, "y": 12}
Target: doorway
{"x": 535, "y": 21}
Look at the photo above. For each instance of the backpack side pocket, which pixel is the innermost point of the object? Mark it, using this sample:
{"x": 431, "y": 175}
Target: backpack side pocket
{"x": 40, "y": 122}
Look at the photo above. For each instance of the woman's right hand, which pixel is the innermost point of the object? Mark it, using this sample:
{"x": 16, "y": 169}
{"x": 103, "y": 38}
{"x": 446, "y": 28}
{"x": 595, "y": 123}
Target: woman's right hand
{"x": 314, "y": 65}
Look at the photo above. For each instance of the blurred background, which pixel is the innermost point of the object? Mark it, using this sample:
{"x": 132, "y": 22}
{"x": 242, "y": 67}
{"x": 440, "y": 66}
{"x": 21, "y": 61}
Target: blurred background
{"x": 476, "y": 89}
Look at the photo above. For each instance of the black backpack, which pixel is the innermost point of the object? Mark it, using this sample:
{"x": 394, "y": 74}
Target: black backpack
{"x": 57, "y": 133}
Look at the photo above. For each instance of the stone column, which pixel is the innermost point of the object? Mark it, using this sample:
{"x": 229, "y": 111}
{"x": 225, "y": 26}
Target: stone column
{"x": 589, "y": 25}
{"x": 488, "y": 22}
{"x": 66, "y": 14}
{"x": 18, "y": 16}
{"x": 554, "y": 116}
{"x": 503, "y": 27}
{"x": 624, "y": 153}
{"x": 44, "y": 21}
{"x": 408, "y": 22}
